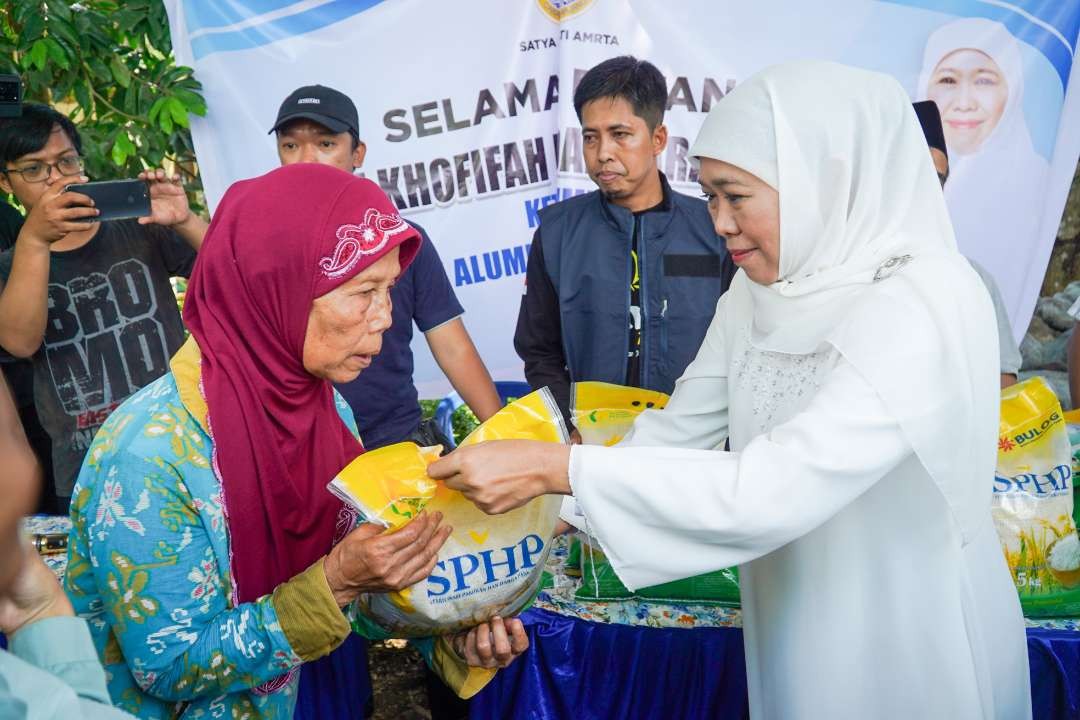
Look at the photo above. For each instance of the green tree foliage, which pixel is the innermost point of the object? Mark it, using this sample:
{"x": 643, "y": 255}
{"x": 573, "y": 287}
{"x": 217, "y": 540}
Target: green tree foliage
{"x": 108, "y": 64}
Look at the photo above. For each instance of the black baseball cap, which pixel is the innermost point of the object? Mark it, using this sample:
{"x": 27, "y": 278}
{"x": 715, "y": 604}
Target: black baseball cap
{"x": 326, "y": 106}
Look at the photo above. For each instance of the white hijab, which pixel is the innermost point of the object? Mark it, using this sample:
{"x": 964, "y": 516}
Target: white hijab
{"x": 859, "y": 198}
{"x": 995, "y": 194}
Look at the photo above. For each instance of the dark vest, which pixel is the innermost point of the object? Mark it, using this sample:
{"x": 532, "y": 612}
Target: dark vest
{"x": 684, "y": 269}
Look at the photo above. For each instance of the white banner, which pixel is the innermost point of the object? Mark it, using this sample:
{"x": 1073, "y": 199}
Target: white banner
{"x": 467, "y": 114}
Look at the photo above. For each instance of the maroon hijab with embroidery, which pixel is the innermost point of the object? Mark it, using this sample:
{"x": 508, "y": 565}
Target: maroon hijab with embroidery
{"x": 276, "y": 243}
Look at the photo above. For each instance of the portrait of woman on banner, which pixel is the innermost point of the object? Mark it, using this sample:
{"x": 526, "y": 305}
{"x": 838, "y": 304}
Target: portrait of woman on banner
{"x": 973, "y": 70}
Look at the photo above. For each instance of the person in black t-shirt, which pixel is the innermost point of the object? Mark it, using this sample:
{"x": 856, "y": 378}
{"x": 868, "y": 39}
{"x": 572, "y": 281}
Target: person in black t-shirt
{"x": 11, "y": 221}
{"x": 89, "y": 302}
{"x": 20, "y": 378}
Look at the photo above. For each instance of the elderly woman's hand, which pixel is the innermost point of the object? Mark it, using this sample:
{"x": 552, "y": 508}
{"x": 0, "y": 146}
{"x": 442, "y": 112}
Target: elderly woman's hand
{"x": 493, "y": 644}
{"x": 372, "y": 560}
{"x": 501, "y": 475}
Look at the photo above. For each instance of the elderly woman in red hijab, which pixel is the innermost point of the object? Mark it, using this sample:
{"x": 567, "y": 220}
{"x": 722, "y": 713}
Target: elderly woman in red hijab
{"x": 207, "y": 554}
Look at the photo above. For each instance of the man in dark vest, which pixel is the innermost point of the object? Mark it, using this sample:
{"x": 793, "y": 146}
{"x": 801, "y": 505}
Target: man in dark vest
{"x": 622, "y": 282}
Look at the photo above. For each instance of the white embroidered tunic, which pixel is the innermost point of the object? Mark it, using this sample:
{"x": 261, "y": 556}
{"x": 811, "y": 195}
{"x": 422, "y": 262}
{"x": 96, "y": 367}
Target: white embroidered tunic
{"x": 859, "y": 600}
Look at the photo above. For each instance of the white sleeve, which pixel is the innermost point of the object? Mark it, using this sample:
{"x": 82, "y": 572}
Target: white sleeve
{"x": 662, "y": 514}
{"x": 696, "y": 416}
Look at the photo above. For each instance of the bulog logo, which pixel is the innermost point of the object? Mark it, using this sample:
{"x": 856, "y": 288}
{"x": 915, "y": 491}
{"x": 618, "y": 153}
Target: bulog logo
{"x": 1034, "y": 432}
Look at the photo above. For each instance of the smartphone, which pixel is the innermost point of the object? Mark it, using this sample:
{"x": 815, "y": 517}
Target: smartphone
{"x": 10, "y": 96}
{"x": 116, "y": 199}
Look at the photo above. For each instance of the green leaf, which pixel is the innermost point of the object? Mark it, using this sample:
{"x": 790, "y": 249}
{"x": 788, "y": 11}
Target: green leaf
{"x": 144, "y": 96}
{"x": 119, "y": 157}
{"x": 165, "y": 121}
{"x": 99, "y": 69}
{"x": 120, "y": 71}
{"x": 39, "y": 52}
{"x": 82, "y": 96}
{"x": 60, "y": 9}
{"x": 125, "y": 19}
{"x": 33, "y": 28}
{"x": 193, "y": 101}
{"x": 131, "y": 99}
{"x": 155, "y": 109}
{"x": 57, "y": 54}
{"x": 122, "y": 149}
{"x": 65, "y": 31}
{"x": 179, "y": 114}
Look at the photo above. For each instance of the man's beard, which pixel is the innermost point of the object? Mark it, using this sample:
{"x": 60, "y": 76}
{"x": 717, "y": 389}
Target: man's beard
{"x": 613, "y": 194}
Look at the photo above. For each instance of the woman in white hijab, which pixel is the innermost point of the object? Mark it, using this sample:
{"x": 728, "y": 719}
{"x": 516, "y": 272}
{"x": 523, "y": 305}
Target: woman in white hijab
{"x": 856, "y": 503}
{"x": 974, "y": 72}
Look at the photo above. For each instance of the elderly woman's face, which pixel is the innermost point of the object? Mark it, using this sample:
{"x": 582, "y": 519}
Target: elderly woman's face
{"x": 746, "y": 211}
{"x": 970, "y": 91}
{"x": 345, "y": 327}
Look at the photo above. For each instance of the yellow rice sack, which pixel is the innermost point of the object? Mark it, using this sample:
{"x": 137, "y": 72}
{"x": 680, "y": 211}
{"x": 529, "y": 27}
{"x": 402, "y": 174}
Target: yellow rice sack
{"x": 490, "y": 565}
{"x": 1033, "y": 500}
{"x": 390, "y": 487}
{"x": 603, "y": 413}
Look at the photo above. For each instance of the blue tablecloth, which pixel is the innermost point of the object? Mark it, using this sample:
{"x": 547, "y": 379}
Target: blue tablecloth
{"x": 1055, "y": 673}
{"x": 649, "y": 673}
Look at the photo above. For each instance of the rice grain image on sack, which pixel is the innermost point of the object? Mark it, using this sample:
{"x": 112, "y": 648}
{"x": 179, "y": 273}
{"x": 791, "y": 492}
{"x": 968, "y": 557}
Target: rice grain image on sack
{"x": 1033, "y": 500}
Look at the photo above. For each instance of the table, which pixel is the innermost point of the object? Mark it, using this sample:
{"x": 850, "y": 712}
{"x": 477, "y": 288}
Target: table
{"x": 642, "y": 663}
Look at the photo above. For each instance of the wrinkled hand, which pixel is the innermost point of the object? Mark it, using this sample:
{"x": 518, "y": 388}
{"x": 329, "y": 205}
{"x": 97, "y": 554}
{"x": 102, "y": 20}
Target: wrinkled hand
{"x": 372, "y": 560}
{"x": 35, "y": 595}
{"x": 168, "y": 201}
{"x": 501, "y": 475}
{"x": 493, "y": 644}
{"x": 58, "y": 213}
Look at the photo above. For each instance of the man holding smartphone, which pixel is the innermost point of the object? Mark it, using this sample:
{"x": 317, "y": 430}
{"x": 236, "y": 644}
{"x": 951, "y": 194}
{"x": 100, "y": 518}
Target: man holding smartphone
{"x": 89, "y": 302}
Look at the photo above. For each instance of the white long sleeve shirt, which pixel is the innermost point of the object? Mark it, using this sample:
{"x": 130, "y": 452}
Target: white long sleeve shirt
{"x": 859, "y": 598}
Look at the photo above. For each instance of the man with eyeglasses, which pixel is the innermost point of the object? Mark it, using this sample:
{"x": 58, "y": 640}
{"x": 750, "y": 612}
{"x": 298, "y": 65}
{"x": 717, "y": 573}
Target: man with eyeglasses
{"x": 90, "y": 303}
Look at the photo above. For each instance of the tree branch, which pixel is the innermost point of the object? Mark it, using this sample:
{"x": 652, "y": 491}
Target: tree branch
{"x": 107, "y": 104}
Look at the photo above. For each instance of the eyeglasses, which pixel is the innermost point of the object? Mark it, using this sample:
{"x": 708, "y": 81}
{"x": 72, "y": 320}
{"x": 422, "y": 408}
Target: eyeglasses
{"x": 40, "y": 171}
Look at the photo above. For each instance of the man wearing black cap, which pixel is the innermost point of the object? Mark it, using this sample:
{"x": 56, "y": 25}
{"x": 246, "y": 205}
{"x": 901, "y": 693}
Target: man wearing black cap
{"x": 319, "y": 124}
{"x": 930, "y": 120}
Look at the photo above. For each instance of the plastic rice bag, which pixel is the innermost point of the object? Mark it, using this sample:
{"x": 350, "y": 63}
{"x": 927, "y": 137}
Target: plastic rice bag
{"x": 603, "y": 413}
{"x": 491, "y": 564}
{"x": 390, "y": 487}
{"x": 1033, "y": 500}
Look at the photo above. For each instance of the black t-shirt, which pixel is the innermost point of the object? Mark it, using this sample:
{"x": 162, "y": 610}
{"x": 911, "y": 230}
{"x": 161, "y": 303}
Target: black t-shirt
{"x": 633, "y": 353}
{"x": 112, "y": 326}
{"x": 19, "y": 374}
{"x": 11, "y": 221}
